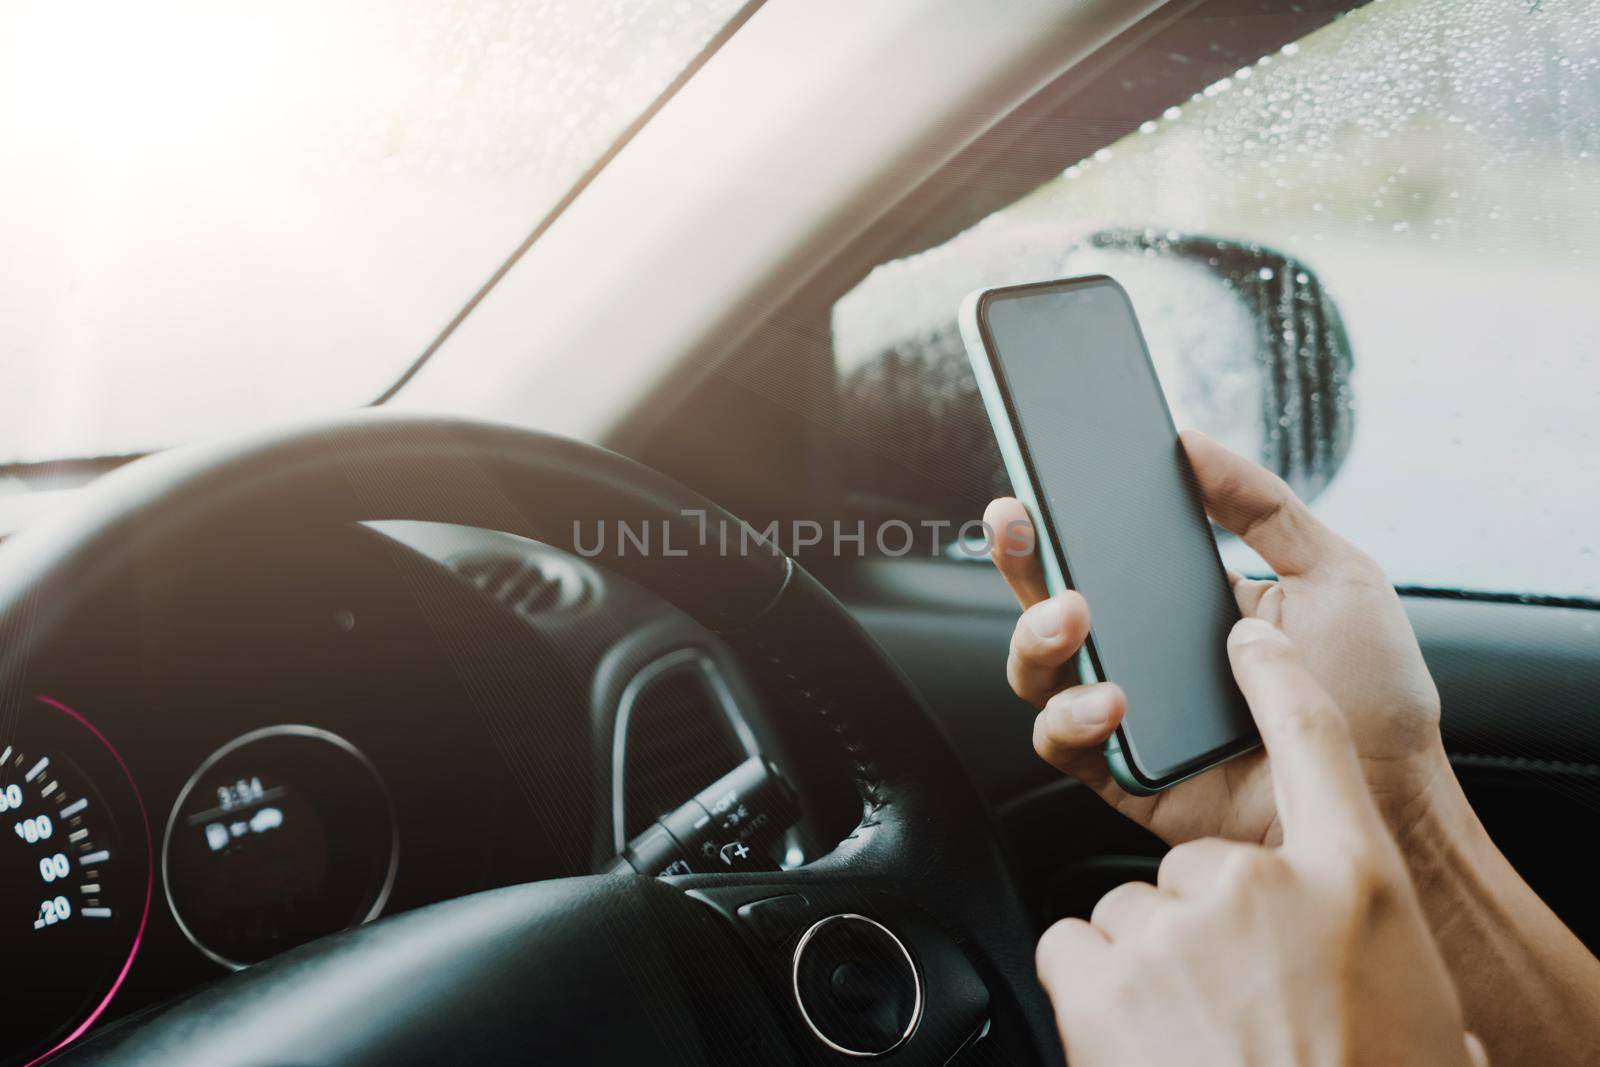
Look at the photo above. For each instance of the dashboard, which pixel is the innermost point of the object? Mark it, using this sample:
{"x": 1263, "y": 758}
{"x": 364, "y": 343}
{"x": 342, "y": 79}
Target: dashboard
{"x": 244, "y": 747}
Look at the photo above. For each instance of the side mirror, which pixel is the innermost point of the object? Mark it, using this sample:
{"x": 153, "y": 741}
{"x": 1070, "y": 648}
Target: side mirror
{"x": 1249, "y": 346}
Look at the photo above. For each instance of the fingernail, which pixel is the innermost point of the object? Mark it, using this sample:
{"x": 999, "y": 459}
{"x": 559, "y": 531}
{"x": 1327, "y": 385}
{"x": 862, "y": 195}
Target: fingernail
{"x": 1092, "y": 707}
{"x": 1250, "y": 631}
{"x": 1045, "y": 620}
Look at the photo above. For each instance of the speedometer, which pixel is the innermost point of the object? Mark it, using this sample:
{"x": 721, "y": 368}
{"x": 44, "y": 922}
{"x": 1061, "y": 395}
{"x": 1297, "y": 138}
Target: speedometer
{"x": 75, "y": 877}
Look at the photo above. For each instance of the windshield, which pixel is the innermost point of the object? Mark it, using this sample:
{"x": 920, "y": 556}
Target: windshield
{"x": 215, "y": 215}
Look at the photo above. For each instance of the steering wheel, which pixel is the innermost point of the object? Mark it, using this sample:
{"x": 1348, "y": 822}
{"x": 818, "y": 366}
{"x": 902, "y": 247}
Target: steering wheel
{"x": 907, "y": 938}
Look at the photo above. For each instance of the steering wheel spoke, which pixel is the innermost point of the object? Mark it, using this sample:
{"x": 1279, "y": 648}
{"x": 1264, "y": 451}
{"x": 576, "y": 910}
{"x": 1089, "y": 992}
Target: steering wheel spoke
{"x": 857, "y": 969}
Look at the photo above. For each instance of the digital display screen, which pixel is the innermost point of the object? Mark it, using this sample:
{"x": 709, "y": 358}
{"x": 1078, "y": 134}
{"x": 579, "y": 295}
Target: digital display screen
{"x": 278, "y": 840}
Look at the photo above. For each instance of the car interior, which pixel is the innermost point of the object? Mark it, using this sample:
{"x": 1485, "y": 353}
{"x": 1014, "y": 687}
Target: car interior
{"x": 620, "y": 678}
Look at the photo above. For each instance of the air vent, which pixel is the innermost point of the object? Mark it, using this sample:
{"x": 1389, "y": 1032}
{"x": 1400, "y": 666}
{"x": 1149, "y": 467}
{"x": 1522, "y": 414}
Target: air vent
{"x": 678, "y": 730}
{"x": 530, "y": 585}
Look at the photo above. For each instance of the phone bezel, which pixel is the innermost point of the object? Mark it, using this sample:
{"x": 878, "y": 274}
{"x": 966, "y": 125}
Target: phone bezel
{"x": 1122, "y": 741}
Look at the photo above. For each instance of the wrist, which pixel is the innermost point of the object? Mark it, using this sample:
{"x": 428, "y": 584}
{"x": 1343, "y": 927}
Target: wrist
{"x": 1438, "y": 833}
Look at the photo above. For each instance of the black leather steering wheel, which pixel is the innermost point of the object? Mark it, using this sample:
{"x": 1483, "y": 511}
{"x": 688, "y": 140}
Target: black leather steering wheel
{"x": 600, "y": 969}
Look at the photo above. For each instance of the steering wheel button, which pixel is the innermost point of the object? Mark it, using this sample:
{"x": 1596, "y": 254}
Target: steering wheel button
{"x": 774, "y": 919}
{"x": 856, "y": 985}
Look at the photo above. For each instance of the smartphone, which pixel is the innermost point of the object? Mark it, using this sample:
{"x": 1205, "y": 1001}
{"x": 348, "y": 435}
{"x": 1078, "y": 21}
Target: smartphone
{"x": 1093, "y": 454}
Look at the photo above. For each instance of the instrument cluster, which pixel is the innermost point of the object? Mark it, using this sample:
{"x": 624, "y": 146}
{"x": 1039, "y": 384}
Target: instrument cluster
{"x": 258, "y": 742}
{"x": 243, "y": 745}
{"x": 283, "y": 835}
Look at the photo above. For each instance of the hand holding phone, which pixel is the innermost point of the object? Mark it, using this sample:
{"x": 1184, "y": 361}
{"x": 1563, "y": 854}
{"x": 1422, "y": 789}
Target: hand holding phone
{"x": 1335, "y": 603}
{"x": 1093, "y": 454}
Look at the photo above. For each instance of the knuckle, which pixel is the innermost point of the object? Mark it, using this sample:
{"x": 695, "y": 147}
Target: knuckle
{"x": 1023, "y": 643}
{"x": 1051, "y": 747}
{"x": 1315, "y": 720}
{"x": 1357, "y": 568}
{"x": 1368, "y": 883}
{"x": 1016, "y": 676}
{"x": 1029, "y": 682}
{"x": 1250, "y": 865}
{"x": 1252, "y": 643}
{"x": 1075, "y": 611}
{"x": 1170, "y": 863}
{"x": 1161, "y": 929}
{"x": 1053, "y": 950}
{"x": 1279, "y": 511}
{"x": 1043, "y": 744}
{"x": 1252, "y": 640}
{"x": 1230, "y": 485}
{"x": 1179, "y": 857}
{"x": 1114, "y": 901}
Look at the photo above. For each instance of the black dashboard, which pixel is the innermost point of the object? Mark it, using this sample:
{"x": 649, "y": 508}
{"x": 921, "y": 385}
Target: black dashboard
{"x": 257, "y": 744}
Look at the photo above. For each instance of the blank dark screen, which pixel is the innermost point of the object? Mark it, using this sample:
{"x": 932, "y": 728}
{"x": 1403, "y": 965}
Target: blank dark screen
{"x": 1125, "y": 515}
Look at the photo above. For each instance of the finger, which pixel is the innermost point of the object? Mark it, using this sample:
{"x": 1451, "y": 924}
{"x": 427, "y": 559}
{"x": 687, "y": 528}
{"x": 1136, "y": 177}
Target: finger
{"x": 1270, "y": 607}
{"x": 1249, "y": 500}
{"x": 1190, "y": 869}
{"x": 1315, "y": 775}
{"x": 1075, "y": 723}
{"x": 1047, "y": 637}
{"x": 1124, "y": 910}
{"x": 1011, "y": 546}
{"x": 1248, "y": 592}
{"x": 1477, "y": 1055}
{"x": 1068, "y": 951}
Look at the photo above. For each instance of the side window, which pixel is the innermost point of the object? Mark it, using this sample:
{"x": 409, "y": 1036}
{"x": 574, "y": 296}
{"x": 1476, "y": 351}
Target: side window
{"x": 1367, "y": 260}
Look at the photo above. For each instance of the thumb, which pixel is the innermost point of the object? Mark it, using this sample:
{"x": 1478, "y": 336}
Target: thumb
{"x": 1316, "y": 777}
{"x": 1477, "y": 1055}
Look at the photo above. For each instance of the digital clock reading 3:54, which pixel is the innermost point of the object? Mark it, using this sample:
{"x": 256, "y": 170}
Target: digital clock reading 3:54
{"x": 282, "y": 836}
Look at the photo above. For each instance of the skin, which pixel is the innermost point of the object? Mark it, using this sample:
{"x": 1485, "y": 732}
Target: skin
{"x": 1530, "y": 988}
{"x": 1373, "y": 669}
{"x": 1312, "y": 952}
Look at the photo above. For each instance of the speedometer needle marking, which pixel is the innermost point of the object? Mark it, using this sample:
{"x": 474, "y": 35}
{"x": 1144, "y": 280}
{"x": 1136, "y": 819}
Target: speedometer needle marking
{"x": 75, "y": 807}
{"x": 94, "y": 857}
{"x": 38, "y": 769}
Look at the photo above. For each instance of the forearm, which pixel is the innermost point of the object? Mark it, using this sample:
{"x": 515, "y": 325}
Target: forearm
{"x": 1530, "y": 989}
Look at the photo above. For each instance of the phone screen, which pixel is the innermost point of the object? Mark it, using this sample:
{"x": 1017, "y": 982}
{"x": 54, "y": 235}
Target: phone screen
{"x": 1124, "y": 514}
